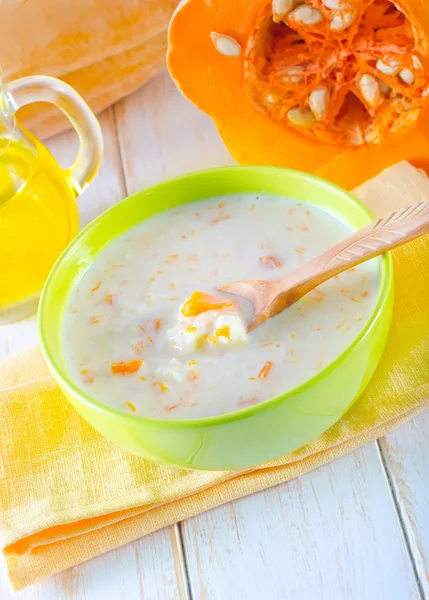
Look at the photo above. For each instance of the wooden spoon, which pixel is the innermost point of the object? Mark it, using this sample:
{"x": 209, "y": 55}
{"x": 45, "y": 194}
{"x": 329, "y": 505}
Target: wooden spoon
{"x": 271, "y": 297}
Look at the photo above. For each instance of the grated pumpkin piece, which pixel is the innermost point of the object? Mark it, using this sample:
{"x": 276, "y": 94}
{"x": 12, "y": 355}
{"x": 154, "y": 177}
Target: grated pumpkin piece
{"x": 126, "y": 367}
{"x": 270, "y": 262}
{"x": 223, "y": 331}
{"x": 200, "y": 302}
{"x": 265, "y": 371}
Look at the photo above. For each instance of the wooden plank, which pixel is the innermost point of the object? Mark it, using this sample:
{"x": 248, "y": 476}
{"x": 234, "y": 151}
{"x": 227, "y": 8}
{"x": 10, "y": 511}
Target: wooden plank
{"x": 331, "y": 534}
{"x": 162, "y": 135}
{"x": 406, "y": 456}
{"x": 142, "y": 570}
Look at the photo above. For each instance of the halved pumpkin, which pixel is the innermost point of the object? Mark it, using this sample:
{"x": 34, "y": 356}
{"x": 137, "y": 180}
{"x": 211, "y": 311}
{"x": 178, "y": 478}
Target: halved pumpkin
{"x": 336, "y": 87}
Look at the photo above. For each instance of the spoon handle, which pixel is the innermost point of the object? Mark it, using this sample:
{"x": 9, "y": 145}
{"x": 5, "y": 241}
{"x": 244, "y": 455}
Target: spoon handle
{"x": 270, "y": 297}
{"x": 384, "y": 234}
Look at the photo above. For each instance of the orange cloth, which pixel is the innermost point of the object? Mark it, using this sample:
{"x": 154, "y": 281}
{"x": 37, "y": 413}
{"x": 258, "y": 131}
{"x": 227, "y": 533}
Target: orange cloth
{"x": 67, "y": 494}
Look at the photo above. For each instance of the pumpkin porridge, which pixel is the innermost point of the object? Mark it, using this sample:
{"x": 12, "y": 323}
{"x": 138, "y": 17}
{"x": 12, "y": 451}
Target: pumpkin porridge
{"x": 146, "y": 332}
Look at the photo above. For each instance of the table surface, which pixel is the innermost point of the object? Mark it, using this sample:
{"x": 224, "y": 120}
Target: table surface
{"x": 356, "y": 529}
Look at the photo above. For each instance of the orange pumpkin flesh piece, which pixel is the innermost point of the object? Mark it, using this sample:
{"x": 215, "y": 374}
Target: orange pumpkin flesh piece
{"x": 201, "y": 302}
{"x": 126, "y": 367}
{"x": 222, "y": 87}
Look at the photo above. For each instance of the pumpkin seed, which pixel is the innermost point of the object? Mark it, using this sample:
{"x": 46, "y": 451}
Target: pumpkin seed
{"x": 306, "y": 15}
{"x": 407, "y": 76}
{"x": 301, "y": 118}
{"x": 270, "y": 99}
{"x": 319, "y": 101}
{"x": 337, "y": 4}
{"x": 384, "y": 88}
{"x": 370, "y": 89}
{"x": 371, "y": 136}
{"x": 391, "y": 68}
{"x": 406, "y": 105}
{"x": 225, "y": 44}
{"x": 416, "y": 62}
{"x": 342, "y": 20}
{"x": 294, "y": 75}
{"x": 332, "y": 4}
{"x": 281, "y": 8}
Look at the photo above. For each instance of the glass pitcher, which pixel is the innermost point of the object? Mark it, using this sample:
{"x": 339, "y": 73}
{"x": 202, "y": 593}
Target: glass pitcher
{"x": 38, "y": 211}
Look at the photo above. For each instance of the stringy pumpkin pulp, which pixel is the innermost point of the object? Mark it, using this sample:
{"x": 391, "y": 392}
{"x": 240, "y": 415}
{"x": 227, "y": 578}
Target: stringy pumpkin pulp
{"x": 333, "y": 87}
{"x": 338, "y": 84}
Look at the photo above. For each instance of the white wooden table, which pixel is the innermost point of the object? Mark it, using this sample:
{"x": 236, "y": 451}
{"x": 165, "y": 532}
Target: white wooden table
{"x": 356, "y": 529}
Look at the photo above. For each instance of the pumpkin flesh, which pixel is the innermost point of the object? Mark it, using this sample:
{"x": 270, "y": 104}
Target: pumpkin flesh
{"x": 251, "y": 97}
{"x": 105, "y": 49}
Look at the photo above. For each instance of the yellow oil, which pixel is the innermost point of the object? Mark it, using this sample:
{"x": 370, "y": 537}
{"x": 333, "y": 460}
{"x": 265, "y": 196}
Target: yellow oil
{"x": 38, "y": 217}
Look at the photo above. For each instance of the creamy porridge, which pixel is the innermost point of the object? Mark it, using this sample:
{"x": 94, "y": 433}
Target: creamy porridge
{"x": 144, "y": 334}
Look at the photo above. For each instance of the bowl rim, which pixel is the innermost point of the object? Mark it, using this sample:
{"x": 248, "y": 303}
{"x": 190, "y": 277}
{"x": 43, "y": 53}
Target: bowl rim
{"x": 67, "y": 383}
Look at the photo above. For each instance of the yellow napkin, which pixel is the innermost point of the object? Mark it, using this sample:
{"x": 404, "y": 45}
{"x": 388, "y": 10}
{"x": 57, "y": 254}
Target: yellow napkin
{"x": 67, "y": 494}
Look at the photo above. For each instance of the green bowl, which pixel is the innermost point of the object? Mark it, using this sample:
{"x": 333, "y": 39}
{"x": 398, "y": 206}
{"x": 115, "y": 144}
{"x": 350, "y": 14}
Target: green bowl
{"x": 252, "y": 435}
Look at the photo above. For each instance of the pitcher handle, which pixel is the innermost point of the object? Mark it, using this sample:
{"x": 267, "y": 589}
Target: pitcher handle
{"x": 40, "y": 88}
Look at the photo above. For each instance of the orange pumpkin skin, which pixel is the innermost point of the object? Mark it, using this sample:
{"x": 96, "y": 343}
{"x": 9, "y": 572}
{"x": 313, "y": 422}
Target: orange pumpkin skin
{"x": 215, "y": 83}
